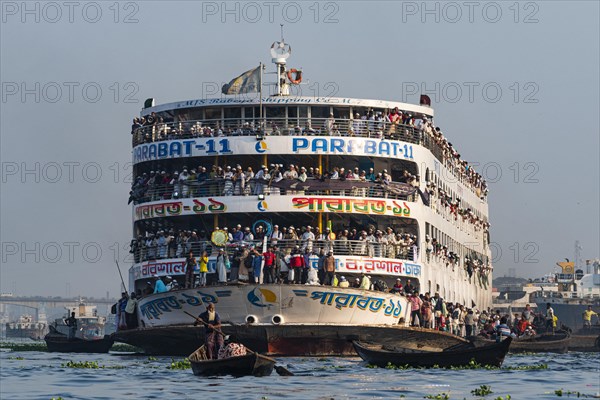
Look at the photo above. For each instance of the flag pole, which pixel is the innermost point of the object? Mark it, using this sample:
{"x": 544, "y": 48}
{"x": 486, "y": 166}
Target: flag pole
{"x": 260, "y": 95}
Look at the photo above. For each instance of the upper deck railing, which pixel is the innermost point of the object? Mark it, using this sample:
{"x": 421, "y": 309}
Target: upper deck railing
{"x": 378, "y": 129}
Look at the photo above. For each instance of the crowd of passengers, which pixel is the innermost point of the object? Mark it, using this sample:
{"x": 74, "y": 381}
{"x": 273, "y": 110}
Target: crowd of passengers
{"x": 435, "y": 313}
{"x": 440, "y": 200}
{"x": 310, "y": 241}
{"x": 394, "y": 124}
{"x": 238, "y": 181}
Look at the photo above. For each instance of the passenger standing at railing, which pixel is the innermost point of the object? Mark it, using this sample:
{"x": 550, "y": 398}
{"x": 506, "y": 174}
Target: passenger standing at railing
{"x": 162, "y": 245}
{"x": 357, "y": 125}
{"x": 269, "y": 267}
{"x": 276, "y": 176}
{"x": 390, "y": 247}
{"x": 297, "y": 264}
{"x": 248, "y": 236}
{"x": 228, "y": 177}
{"x": 275, "y": 235}
{"x": 249, "y": 179}
{"x": 259, "y": 180}
{"x": 329, "y": 123}
{"x": 239, "y": 181}
{"x": 190, "y": 265}
{"x": 329, "y": 269}
{"x": 307, "y": 239}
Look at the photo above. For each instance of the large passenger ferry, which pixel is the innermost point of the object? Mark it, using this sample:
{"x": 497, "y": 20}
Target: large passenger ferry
{"x": 374, "y": 183}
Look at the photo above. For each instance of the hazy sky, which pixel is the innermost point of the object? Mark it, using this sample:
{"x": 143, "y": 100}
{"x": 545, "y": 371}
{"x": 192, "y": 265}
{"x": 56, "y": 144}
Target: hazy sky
{"x": 515, "y": 87}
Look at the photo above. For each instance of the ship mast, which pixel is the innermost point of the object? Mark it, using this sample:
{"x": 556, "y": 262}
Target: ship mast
{"x": 578, "y": 249}
{"x": 280, "y": 51}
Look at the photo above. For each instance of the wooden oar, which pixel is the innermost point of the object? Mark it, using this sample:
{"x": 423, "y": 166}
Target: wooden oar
{"x": 278, "y": 368}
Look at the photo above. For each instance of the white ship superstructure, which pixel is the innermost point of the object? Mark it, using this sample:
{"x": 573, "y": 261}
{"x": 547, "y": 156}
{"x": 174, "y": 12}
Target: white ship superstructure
{"x": 424, "y": 211}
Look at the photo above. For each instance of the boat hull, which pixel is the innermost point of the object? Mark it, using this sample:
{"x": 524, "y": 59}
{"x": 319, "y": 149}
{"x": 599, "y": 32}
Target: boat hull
{"x": 545, "y": 343}
{"x": 62, "y": 344}
{"x": 250, "y": 364}
{"x": 283, "y": 340}
{"x": 462, "y": 355}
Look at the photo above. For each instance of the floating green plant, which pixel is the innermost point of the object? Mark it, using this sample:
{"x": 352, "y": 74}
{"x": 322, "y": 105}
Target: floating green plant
{"x": 183, "y": 364}
{"x": 569, "y": 393}
{"x": 81, "y": 364}
{"x": 482, "y": 390}
{"x": 125, "y": 348}
{"x": 24, "y": 346}
{"x": 16, "y": 358}
{"x": 472, "y": 365}
{"x": 88, "y": 365}
{"x": 440, "y": 396}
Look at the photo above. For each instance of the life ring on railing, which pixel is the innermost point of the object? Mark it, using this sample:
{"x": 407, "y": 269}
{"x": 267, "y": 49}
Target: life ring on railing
{"x": 251, "y": 319}
{"x": 219, "y": 238}
{"x": 298, "y": 76}
{"x": 277, "y": 319}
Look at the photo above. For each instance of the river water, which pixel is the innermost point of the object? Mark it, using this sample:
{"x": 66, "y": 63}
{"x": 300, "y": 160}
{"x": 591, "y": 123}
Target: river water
{"x": 40, "y": 375}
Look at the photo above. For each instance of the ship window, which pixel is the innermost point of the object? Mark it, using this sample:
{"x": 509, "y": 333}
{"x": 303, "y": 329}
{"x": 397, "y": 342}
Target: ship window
{"x": 292, "y": 116}
{"x": 292, "y": 112}
{"x": 362, "y": 111}
{"x": 212, "y": 114}
{"x": 276, "y": 115}
{"x": 233, "y": 112}
{"x": 319, "y": 112}
{"x": 341, "y": 113}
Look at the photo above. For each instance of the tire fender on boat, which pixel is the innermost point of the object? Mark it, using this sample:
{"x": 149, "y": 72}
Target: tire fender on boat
{"x": 277, "y": 319}
{"x": 251, "y": 319}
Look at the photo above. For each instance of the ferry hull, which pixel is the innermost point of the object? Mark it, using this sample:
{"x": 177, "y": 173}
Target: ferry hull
{"x": 275, "y": 305}
{"x": 282, "y": 340}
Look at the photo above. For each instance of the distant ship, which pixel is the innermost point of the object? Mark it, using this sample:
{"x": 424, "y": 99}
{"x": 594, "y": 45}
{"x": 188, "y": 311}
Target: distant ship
{"x": 576, "y": 291}
{"x": 27, "y": 328}
{"x": 89, "y": 324}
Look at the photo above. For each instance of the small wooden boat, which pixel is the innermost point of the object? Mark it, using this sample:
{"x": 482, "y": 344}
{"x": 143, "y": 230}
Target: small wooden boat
{"x": 250, "y": 364}
{"x": 61, "y": 343}
{"x": 455, "y": 356}
{"x": 542, "y": 343}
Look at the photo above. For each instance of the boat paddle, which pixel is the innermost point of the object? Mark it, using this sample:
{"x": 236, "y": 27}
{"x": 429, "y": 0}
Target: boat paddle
{"x": 278, "y": 368}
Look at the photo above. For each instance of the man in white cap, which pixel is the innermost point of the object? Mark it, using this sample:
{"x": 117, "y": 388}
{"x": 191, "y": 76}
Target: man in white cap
{"x": 259, "y": 178}
{"x": 275, "y": 235}
{"x": 329, "y": 123}
{"x": 308, "y": 238}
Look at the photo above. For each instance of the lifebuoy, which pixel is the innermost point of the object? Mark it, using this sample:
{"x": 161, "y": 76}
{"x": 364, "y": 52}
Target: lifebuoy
{"x": 297, "y": 74}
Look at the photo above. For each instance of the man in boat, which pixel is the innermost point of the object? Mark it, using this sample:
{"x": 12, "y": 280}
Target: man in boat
{"x": 549, "y": 318}
{"x": 71, "y": 322}
{"x": 587, "y": 317}
{"x": 213, "y": 337}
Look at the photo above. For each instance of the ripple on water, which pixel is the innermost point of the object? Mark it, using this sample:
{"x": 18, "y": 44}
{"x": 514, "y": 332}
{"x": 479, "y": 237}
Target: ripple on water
{"x": 43, "y": 376}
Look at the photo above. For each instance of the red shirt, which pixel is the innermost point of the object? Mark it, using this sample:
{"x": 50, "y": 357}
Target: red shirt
{"x": 269, "y": 258}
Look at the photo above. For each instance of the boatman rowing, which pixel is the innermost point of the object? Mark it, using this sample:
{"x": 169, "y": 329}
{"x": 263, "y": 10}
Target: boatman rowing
{"x": 212, "y": 337}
